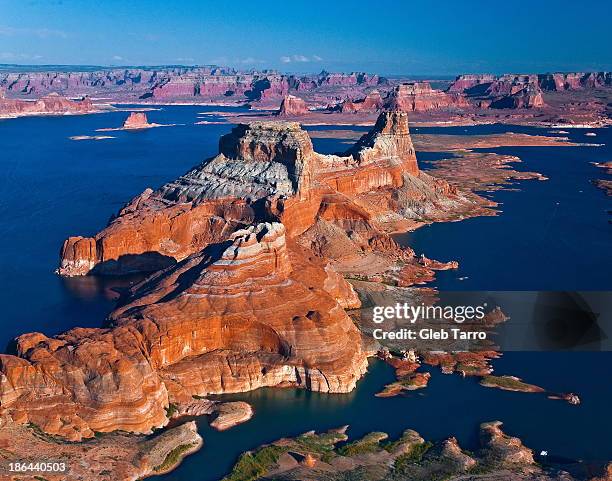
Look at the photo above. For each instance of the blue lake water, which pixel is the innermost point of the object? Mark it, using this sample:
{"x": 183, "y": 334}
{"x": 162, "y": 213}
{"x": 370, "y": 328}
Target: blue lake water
{"x": 551, "y": 235}
{"x": 53, "y": 187}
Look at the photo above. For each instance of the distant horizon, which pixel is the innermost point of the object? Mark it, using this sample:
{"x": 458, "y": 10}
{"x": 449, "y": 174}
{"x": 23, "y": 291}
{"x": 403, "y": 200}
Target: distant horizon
{"x": 400, "y": 38}
{"x": 25, "y": 67}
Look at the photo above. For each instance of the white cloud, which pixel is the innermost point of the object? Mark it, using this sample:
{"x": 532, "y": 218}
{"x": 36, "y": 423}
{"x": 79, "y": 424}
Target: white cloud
{"x": 300, "y": 58}
{"x": 185, "y": 59}
{"x": 118, "y": 57}
{"x": 32, "y": 32}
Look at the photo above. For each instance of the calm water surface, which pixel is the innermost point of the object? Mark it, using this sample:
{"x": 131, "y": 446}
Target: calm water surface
{"x": 550, "y": 235}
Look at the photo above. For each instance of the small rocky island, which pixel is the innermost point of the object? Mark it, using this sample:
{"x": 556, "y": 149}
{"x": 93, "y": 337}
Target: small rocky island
{"x": 137, "y": 120}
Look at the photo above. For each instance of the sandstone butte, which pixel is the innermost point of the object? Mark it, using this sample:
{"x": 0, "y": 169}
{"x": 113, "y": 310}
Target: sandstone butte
{"x": 372, "y": 102}
{"x": 335, "y": 205}
{"x": 505, "y": 92}
{"x": 420, "y": 97}
{"x": 249, "y": 312}
{"x": 137, "y": 120}
{"x": 292, "y": 106}
{"x": 247, "y": 296}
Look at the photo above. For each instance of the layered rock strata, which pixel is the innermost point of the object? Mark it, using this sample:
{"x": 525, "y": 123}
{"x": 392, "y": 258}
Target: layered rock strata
{"x": 372, "y": 102}
{"x": 235, "y": 304}
{"x": 505, "y": 92}
{"x": 167, "y": 84}
{"x": 269, "y": 171}
{"x": 253, "y": 311}
{"x": 51, "y": 104}
{"x": 548, "y": 81}
{"x": 420, "y": 97}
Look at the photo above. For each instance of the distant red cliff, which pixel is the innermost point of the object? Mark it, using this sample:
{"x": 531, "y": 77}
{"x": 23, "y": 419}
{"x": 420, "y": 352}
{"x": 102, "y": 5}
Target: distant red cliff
{"x": 51, "y": 104}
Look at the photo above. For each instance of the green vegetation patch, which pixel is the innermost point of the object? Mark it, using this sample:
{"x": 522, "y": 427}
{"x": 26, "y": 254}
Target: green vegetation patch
{"x": 173, "y": 457}
{"x": 40, "y": 434}
{"x": 415, "y": 455}
{"x": 509, "y": 383}
{"x": 251, "y": 466}
{"x": 171, "y": 410}
{"x": 370, "y": 443}
{"x": 318, "y": 443}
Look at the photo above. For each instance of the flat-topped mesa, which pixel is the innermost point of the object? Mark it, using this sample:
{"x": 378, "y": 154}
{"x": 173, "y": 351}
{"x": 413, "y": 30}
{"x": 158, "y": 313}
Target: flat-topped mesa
{"x": 574, "y": 80}
{"x": 469, "y": 81}
{"x": 292, "y": 106}
{"x": 253, "y": 311}
{"x": 525, "y": 98}
{"x": 265, "y": 171}
{"x": 255, "y": 161}
{"x": 420, "y": 97}
{"x": 372, "y": 102}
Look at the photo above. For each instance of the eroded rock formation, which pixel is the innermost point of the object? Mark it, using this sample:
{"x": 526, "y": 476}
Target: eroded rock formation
{"x": 253, "y": 311}
{"x": 372, "y": 102}
{"x": 526, "y": 98}
{"x": 477, "y": 84}
{"x": 292, "y": 106}
{"x": 168, "y": 84}
{"x": 336, "y": 205}
{"x": 420, "y": 97}
{"x": 136, "y": 120}
{"x": 319, "y": 457}
{"x": 246, "y": 295}
{"x": 51, "y": 104}
{"x": 504, "y": 92}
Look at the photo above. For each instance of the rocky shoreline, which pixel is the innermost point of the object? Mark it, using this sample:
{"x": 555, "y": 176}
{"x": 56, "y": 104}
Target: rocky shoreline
{"x": 249, "y": 254}
{"x": 331, "y": 455}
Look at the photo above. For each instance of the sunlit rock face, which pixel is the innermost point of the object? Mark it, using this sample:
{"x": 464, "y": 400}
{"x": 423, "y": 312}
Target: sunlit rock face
{"x": 292, "y": 106}
{"x": 264, "y": 171}
{"x": 246, "y": 293}
{"x": 420, "y": 97}
{"x": 252, "y": 311}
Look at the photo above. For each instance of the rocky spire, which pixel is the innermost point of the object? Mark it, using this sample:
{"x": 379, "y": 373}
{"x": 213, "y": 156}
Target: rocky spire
{"x": 389, "y": 138}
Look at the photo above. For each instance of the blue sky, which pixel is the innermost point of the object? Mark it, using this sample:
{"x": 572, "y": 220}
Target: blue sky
{"x": 390, "y": 37}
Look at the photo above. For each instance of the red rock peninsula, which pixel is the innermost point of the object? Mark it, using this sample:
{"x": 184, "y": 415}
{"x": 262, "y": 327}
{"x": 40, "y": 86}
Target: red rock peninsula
{"x": 247, "y": 294}
{"x": 255, "y": 310}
